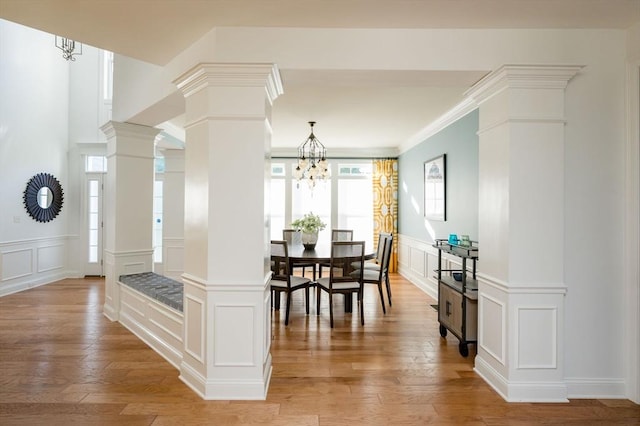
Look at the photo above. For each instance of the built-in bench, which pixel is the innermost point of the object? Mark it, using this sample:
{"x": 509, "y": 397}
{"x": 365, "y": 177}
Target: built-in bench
{"x": 158, "y": 287}
{"x": 151, "y": 306}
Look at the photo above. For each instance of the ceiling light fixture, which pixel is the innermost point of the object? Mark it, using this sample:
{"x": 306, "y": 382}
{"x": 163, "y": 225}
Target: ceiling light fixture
{"x": 312, "y": 160}
{"x": 68, "y": 48}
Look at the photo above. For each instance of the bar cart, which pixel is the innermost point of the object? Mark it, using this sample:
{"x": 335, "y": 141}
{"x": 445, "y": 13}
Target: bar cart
{"x": 458, "y": 293}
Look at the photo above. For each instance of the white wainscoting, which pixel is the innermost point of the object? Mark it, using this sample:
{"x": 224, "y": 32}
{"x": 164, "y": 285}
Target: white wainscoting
{"x": 418, "y": 262}
{"x": 155, "y": 323}
{"x": 173, "y": 258}
{"x": 31, "y": 263}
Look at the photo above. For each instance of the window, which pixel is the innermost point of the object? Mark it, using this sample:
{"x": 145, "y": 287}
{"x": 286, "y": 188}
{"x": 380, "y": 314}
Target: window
{"x": 343, "y": 201}
{"x": 157, "y": 221}
{"x": 96, "y": 163}
{"x": 317, "y": 201}
{"x": 107, "y": 75}
{"x": 277, "y": 200}
{"x": 94, "y": 219}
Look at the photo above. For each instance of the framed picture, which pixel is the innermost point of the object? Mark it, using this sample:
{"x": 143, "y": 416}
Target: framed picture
{"x": 435, "y": 194}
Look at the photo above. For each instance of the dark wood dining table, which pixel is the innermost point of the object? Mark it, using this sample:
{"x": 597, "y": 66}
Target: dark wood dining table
{"x": 320, "y": 254}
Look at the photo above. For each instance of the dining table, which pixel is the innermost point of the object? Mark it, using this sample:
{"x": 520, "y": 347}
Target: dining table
{"x": 321, "y": 253}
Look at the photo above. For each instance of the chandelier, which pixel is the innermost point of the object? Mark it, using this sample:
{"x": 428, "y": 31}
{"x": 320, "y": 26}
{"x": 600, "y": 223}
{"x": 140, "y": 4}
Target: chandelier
{"x": 68, "y": 48}
{"x": 312, "y": 160}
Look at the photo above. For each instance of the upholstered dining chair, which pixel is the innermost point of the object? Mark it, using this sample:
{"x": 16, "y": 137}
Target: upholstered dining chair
{"x": 343, "y": 253}
{"x": 337, "y": 235}
{"x": 379, "y": 276}
{"x": 282, "y": 281}
{"x": 292, "y": 236}
{"x": 375, "y": 264}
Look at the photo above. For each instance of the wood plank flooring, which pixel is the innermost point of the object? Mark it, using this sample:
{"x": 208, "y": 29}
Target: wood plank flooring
{"x": 63, "y": 363}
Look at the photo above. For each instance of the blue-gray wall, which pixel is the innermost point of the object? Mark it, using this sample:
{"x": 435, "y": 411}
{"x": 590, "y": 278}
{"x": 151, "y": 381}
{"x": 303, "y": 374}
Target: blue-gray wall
{"x": 460, "y": 142}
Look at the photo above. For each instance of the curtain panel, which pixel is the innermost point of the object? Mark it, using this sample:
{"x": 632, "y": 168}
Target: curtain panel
{"x": 385, "y": 204}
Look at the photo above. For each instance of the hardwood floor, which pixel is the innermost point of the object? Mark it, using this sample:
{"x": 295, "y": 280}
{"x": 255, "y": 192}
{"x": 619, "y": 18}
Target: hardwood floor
{"x": 63, "y": 363}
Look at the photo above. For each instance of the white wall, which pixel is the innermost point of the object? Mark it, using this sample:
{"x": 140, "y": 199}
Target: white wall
{"x": 36, "y": 127}
{"x": 33, "y": 139}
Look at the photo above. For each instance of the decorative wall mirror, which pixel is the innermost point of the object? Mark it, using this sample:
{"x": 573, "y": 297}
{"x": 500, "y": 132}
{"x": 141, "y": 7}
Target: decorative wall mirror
{"x": 43, "y": 197}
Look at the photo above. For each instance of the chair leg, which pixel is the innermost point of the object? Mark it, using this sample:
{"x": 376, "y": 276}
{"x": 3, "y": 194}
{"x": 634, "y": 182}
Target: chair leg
{"x": 318, "y": 293}
{"x": 361, "y": 300}
{"x": 384, "y": 310}
{"x": 331, "y": 309}
{"x": 306, "y": 294}
{"x": 386, "y": 278}
{"x": 286, "y": 316}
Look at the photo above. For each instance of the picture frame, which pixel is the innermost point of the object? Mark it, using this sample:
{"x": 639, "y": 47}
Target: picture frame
{"x": 435, "y": 188}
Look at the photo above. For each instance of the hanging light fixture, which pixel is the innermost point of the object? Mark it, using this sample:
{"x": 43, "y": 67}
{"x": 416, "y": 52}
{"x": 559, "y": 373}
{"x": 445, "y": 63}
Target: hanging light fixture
{"x": 312, "y": 160}
{"x": 68, "y": 48}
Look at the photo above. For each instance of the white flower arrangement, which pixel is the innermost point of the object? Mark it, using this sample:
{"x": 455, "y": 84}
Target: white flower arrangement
{"x": 309, "y": 224}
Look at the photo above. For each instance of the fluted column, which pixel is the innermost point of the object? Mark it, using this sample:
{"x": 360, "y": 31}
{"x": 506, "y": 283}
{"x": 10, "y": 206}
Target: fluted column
{"x": 227, "y": 322}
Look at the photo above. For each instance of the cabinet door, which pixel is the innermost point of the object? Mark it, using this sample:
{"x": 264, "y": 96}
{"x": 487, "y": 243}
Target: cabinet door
{"x": 450, "y": 309}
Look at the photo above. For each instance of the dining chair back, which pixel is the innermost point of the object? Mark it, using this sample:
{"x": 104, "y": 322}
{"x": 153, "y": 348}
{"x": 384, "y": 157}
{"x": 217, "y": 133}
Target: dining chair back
{"x": 343, "y": 253}
{"x": 293, "y": 236}
{"x": 337, "y": 235}
{"x": 342, "y": 235}
{"x": 281, "y": 280}
{"x": 379, "y": 276}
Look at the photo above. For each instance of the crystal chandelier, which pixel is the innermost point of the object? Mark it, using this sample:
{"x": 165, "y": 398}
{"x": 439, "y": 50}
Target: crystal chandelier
{"x": 68, "y": 48}
{"x": 312, "y": 160}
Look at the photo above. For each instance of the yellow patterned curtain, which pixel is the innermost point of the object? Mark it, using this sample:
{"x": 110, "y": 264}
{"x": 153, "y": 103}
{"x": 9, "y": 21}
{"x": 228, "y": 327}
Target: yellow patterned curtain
{"x": 385, "y": 204}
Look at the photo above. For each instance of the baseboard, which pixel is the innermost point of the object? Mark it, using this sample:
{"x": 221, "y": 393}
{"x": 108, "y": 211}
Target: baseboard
{"x": 425, "y": 285}
{"x": 591, "y": 388}
{"x": 521, "y": 391}
{"x": 250, "y": 390}
{"x": 11, "y": 288}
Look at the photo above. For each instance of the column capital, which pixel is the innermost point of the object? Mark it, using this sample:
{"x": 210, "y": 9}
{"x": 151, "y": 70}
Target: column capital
{"x": 522, "y": 77}
{"x": 231, "y": 75}
{"x": 116, "y": 128}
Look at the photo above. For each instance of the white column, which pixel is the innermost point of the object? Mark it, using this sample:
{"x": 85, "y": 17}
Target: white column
{"x": 521, "y": 231}
{"x": 227, "y": 322}
{"x": 128, "y": 206}
{"x": 173, "y": 213}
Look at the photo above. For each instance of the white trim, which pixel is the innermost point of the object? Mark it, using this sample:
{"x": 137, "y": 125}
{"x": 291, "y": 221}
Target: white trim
{"x": 590, "y": 388}
{"x": 554, "y": 338}
{"x": 521, "y": 391}
{"x": 503, "y": 323}
{"x": 632, "y": 236}
{"x": 445, "y": 120}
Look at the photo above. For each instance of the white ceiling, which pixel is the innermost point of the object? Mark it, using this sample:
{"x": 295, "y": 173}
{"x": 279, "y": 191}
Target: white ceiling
{"x": 352, "y": 108}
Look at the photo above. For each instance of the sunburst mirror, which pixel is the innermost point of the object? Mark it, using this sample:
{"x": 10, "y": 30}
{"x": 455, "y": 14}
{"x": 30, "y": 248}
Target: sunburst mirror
{"x": 43, "y": 197}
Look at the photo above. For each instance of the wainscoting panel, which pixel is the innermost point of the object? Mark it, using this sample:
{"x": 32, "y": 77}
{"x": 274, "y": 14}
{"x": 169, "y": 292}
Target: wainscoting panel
{"x": 535, "y": 349}
{"x": 416, "y": 262}
{"x": 157, "y": 324}
{"x": 234, "y": 348}
{"x": 493, "y": 318}
{"x": 17, "y": 264}
{"x": 194, "y": 335}
{"x": 173, "y": 257}
{"x": 30, "y": 263}
{"x": 50, "y": 258}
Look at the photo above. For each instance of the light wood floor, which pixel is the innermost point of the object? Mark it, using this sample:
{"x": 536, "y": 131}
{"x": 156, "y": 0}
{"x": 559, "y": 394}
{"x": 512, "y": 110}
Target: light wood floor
{"x": 63, "y": 363}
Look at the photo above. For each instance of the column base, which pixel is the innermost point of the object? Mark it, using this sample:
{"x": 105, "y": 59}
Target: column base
{"x": 227, "y": 389}
{"x": 227, "y": 339}
{"x": 119, "y": 263}
{"x": 520, "y": 340}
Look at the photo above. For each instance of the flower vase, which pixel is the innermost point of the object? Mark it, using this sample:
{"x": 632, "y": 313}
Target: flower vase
{"x": 309, "y": 240}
